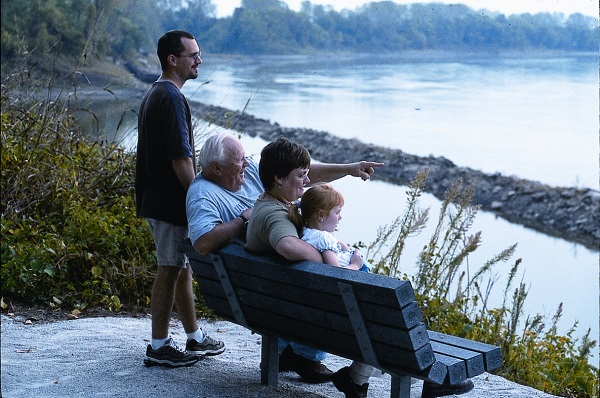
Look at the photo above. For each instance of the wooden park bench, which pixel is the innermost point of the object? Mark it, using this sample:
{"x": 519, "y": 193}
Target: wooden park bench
{"x": 360, "y": 316}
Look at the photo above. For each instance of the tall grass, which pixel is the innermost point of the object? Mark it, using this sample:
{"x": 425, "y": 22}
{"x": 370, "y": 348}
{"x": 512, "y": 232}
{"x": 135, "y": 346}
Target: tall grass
{"x": 70, "y": 236}
{"x": 455, "y": 299}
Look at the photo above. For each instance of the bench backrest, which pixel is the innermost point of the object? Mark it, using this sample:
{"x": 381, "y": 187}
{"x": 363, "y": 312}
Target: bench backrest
{"x": 366, "y": 317}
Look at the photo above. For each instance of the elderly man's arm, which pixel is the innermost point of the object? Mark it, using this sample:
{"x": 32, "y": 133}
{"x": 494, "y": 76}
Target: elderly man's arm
{"x": 222, "y": 234}
{"x": 327, "y": 172}
{"x": 295, "y": 249}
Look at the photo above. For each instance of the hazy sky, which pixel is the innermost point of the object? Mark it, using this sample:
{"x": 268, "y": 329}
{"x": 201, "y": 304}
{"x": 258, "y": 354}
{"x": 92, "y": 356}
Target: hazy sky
{"x": 507, "y": 7}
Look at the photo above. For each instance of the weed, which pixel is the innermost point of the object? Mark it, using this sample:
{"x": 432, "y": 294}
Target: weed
{"x": 456, "y": 303}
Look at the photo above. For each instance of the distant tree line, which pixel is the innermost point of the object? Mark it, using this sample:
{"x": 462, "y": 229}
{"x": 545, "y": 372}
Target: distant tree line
{"x": 124, "y": 28}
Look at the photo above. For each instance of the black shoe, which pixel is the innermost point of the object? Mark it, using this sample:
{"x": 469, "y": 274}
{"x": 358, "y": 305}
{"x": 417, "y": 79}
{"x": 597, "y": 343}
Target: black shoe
{"x": 315, "y": 372}
{"x": 309, "y": 371}
{"x": 287, "y": 359}
{"x": 208, "y": 347}
{"x": 169, "y": 355}
{"x": 343, "y": 382}
{"x": 431, "y": 390}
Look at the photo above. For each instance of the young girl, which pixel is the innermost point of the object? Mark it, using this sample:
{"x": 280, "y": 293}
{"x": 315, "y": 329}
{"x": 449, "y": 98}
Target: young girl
{"x": 316, "y": 216}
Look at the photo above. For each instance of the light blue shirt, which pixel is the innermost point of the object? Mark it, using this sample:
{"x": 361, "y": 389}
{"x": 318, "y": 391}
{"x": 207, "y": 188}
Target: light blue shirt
{"x": 209, "y": 204}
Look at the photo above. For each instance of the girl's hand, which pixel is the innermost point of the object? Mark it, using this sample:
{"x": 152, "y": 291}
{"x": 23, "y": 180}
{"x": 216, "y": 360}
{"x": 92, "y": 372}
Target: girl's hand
{"x": 357, "y": 260}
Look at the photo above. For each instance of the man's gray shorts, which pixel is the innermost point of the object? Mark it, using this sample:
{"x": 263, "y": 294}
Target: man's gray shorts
{"x": 167, "y": 238}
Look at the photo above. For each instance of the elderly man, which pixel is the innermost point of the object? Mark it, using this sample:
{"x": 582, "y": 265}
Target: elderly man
{"x": 219, "y": 204}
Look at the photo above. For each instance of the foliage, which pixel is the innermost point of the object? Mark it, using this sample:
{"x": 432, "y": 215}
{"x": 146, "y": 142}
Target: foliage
{"x": 455, "y": 302}
{"x": 122, "y": 29}
{"x": 70, "y": 235}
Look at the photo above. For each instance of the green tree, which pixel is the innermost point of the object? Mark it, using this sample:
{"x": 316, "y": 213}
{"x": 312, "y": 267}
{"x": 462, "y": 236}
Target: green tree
{"x": 272, "y": 30}
{"x": 122, "y": 29}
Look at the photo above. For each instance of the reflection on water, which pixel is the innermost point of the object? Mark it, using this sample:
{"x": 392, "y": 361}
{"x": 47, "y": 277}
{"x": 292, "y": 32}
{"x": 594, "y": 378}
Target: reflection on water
{"x": 110, "y": 119}
{"x": 536, "y": 117}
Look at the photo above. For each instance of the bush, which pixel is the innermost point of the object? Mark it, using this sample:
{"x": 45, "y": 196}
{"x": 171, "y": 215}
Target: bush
{"x": 70, "y": 235}
{"x": 454, "y": 303}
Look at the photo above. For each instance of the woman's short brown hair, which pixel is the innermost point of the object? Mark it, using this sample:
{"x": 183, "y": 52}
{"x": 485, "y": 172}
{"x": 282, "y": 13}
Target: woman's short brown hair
{"x": 279, "y": 158}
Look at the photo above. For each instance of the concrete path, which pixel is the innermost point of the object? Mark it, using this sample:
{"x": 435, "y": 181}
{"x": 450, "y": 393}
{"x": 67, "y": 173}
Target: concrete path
{"x": 103, "y": 357}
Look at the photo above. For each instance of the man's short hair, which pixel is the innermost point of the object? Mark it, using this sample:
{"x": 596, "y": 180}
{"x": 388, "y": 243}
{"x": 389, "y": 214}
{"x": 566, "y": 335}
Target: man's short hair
{"x": 170, "y": 43}
{"x": 213, "y": 150}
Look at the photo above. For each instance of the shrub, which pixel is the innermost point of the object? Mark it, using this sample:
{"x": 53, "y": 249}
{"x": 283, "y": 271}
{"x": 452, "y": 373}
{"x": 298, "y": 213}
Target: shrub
{"x": 454, "y": 302}
{"x": 70, "y": 235}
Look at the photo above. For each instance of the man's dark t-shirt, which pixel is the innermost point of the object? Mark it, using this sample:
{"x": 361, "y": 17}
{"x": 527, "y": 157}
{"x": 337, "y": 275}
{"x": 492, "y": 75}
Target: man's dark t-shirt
{"x": 164, "y": 134}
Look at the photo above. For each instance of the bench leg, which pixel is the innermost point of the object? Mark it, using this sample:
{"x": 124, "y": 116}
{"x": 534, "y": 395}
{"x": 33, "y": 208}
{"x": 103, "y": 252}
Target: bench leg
{"x": 400, "y": 387}
{"x": 269, "y": 363}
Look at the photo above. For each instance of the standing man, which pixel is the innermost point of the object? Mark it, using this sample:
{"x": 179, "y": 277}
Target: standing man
{"x": 165, "y": 167}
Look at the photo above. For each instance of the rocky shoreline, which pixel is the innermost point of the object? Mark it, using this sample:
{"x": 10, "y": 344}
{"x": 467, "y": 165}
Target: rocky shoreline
{"x": 568, "y": 213}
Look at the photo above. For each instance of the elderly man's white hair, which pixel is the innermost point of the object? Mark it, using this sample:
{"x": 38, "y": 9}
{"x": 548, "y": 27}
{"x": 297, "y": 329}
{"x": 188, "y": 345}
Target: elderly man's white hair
{"x": 213, "y": 149}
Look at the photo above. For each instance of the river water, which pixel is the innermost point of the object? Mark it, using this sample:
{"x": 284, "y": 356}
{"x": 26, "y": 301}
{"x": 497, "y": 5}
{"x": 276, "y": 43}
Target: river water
{"x": 535, "y": 117}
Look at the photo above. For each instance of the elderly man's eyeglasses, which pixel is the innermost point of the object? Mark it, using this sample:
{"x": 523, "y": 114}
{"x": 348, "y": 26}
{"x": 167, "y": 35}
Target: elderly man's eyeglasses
{"x": 195, "y": 57}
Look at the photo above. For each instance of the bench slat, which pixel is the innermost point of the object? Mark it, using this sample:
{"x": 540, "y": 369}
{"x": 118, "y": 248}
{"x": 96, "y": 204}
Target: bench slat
{"x": 302, "y": 302}
{"x": 457, "y": 370}
{"x": 492, "y": 354}
{"x": 473, "y": 360}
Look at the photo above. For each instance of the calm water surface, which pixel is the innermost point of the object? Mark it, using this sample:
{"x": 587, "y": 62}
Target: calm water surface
{"x": 535, "y": 117}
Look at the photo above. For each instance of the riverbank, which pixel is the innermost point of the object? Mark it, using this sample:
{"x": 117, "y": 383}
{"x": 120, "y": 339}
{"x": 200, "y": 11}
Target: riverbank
{"x": 569, "y": 213}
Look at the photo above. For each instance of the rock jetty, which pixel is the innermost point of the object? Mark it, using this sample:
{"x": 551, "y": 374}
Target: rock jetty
{"x": 568, "y": 213}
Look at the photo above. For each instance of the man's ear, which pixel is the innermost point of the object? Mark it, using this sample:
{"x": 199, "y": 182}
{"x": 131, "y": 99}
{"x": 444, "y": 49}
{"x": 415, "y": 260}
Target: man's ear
{"x": 215, "y": 168}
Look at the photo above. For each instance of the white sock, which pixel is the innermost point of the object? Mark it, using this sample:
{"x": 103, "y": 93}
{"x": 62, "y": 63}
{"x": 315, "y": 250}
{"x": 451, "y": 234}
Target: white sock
{"x": 197, "y": 335}
{"x": 158, "y": 343}
{"x": 361, "y": 372}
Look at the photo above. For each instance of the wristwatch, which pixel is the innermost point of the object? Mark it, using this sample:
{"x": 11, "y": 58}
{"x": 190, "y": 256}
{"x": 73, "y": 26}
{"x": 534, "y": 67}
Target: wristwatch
{"x": 245, "y": 220}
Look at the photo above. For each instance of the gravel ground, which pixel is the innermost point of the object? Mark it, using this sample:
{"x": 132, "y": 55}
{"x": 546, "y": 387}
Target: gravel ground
{"x": 103, "y": 357}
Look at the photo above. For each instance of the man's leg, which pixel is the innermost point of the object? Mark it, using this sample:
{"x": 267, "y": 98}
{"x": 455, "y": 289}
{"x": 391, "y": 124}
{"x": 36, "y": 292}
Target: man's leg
{"x": 198, "y": 342}
{"x": 162, "y": 300}
{"x": 162, "y": 350}
{"x": 184, "y": 300}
